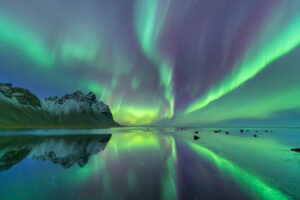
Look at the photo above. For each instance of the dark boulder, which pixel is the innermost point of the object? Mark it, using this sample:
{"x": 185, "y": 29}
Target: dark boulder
{"x": 296, "y": 149}
{"x": 196, "y": 137}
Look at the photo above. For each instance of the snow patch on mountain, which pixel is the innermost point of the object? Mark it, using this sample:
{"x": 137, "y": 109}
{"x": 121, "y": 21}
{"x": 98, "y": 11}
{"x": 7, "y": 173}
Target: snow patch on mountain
{"x": 76, "y": 102}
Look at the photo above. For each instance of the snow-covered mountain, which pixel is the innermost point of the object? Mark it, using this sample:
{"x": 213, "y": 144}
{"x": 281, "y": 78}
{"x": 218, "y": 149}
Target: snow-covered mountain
{"x": 20, "y": 107}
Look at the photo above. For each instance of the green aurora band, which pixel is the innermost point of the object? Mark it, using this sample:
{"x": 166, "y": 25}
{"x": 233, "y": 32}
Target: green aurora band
{"x": 27, "y": 41}
{"x": 255, "y": 60}
{"x": 150, "y": 17}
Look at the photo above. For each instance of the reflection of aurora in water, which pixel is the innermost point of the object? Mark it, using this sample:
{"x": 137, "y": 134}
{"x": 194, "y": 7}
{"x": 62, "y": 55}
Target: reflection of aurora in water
{"x": 143, "y": 164}
{"x": 256, "y": 187}
{"x": 138, "y": 144}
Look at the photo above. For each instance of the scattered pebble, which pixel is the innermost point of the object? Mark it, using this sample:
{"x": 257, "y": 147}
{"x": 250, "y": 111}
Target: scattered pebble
{"x": 217, "y": 131}
{"x": 241, "y": 130}
{"x": 196, "y": 132}
{"x": 227, "y": 133}
{"x": 254, "y": 135}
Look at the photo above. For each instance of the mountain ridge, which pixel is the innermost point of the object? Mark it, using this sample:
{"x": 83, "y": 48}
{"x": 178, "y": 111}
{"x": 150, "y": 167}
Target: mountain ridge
{"x": 21, "y": 108}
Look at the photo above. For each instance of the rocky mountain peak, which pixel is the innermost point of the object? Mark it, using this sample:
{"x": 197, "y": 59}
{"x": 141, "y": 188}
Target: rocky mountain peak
{"x": 77, "y": 96}
{"x": 77, "y": 102}
{"x": 92, "y": 96}
{"x": 75, "y": 109}
{"x": 6, "y": 89}
{"x": 21, "y": 95}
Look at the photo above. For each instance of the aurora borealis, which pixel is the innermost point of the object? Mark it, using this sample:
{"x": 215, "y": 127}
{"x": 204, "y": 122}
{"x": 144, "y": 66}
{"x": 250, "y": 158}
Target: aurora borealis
{"x": 170, "y": 62}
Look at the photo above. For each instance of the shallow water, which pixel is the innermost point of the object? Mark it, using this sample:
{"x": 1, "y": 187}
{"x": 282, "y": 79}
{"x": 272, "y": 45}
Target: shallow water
{"x": 149, "y": 163}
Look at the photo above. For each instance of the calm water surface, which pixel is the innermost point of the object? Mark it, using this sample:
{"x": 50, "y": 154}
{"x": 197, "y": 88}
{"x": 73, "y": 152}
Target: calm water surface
{"x": 149, "y": 163}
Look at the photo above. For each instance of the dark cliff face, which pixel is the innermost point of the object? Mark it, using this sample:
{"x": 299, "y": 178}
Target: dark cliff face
{"x": 23, "y": 96}
{"x": 6, "y": 89}
{"x": 20, "y": 107}
{"x": 64, "y": 150}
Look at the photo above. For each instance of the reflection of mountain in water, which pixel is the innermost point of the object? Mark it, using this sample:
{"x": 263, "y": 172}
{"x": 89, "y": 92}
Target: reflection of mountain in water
{"x": 64, "y": 150}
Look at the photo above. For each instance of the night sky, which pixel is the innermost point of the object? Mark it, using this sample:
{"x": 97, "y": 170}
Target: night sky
{"x": 166, "y": 62}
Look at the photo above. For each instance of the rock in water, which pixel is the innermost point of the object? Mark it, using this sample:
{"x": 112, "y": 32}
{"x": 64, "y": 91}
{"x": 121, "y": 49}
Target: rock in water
{"x": 196, "y": 132}
{"x": 217, "y": 131}
{"x": 296, "y": 149}
{"x": 241, "y": 130}
{"x": 254, "y": 135}
{"x": 226, "y": 132}
{"x": 21, "y": 108}
{"x": 196, "y": 137}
